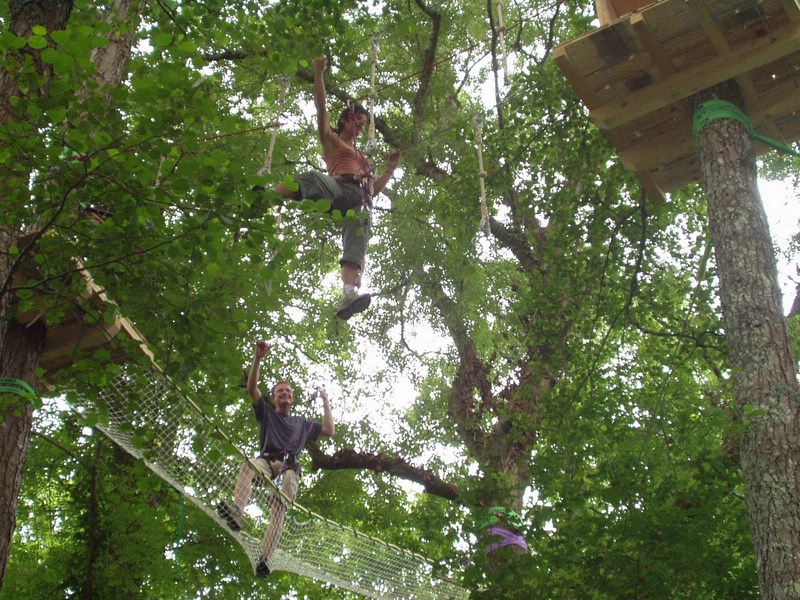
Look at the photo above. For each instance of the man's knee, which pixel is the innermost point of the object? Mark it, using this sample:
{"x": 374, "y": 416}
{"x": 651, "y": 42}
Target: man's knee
{"x": 291, "y": 481}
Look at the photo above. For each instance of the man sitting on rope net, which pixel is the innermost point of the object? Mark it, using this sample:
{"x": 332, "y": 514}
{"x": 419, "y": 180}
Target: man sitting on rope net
{"x": 349, "y": 185}
{"x": 282, "y": 437}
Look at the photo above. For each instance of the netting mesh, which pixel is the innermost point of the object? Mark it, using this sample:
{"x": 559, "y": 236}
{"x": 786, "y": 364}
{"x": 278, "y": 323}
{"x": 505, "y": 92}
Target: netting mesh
{"x": 150, "y": 418}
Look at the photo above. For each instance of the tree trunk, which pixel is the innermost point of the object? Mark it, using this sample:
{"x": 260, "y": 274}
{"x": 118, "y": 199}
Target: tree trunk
{"x": 111, "y": 60}
{"x": 764, "y": 366}
{"x": 93, "y": 542}
{"x": 19, "y": 359}
{"x": 20, "y": 348}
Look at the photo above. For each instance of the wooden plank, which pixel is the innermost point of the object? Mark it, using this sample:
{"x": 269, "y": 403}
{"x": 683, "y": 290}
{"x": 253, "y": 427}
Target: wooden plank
{"x": 605, "y": 11}
{"x": 748, "y": 56}
{"x": 653, "y": 191}
{"x": 648, "y": 40}
{"x": 709, "y": 25}
{"x": 677, "y": 143}
{"x": 567, "y": 67}
{"x": 792, "y": 9}
{"x": 64, "y": 340}
{"x": 718, "y": 39}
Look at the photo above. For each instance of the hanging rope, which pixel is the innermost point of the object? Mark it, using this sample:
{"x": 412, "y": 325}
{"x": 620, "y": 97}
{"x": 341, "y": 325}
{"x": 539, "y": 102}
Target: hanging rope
{"x": 713, "y": 110}
{"x": 372, "y": 145}
{"x": 267, "y": 168}
{"x": 477, "y": 121}
{"x": 501, "y": 37}
{"x": 179, "y": 536}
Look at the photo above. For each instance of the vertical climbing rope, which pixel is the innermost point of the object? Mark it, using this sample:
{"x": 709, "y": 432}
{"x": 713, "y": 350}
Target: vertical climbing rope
{"x": 501, "y": 35}
{"x": 179, "y": 536}
{"x": 267, "y": 168}
{"x": 477, "y": 121}
{"x": 371, "y": 143}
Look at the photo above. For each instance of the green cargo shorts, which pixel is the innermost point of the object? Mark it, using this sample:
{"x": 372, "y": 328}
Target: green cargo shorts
{"x": 356, "y": 230}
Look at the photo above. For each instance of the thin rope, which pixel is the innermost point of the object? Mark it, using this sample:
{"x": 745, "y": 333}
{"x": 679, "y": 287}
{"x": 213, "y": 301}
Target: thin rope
{"x": 713, "y": 110}
{"x": 477, "y": 121}
{"x": 179, "y": 535}
{"x": 267, "y": 168}
{"x": 501, "y": 34}
{"x": 371, "y": 149}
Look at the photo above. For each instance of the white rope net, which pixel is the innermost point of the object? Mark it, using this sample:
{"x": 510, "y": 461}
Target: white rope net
{"x": 152, "y": 419}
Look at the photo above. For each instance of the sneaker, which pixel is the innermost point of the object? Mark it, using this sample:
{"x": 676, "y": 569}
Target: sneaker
{"x": 262, "y": 570}
{"x": 353, "y": 304}
{"x": 232, "y": 514}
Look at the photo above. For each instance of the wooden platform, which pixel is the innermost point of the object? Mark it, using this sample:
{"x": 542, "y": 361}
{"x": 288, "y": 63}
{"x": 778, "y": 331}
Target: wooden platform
{"x": 637, "y": 73}
{"x": 90, "y": 321}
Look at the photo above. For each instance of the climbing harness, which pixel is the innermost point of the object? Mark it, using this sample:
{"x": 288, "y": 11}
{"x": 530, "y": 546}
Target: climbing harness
{"x": 477, "y": 121}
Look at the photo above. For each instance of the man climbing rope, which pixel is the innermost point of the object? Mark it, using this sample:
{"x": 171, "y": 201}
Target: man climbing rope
{"x": 346, "y": 186}
{"x": 282, "y": 437}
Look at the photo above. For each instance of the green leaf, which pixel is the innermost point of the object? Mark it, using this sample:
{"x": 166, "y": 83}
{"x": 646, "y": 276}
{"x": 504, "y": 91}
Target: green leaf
{"x": 161, "y": 39}
{"x": 37, "y": 42}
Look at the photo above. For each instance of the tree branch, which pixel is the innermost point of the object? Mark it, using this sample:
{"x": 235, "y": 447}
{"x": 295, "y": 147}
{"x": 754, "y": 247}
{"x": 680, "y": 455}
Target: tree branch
{"x": 428, "y": 65}
{"x": 399, "y": 467}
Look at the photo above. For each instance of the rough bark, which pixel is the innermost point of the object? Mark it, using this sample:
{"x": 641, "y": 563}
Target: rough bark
{"x": 765, "y": 372}
{"x": 20, "y": 348}
{"x": 26, "y": 14}
{"x": 93, "y": 542}
{"x": 19, "y": 358}
{"x": 112, "y": 59}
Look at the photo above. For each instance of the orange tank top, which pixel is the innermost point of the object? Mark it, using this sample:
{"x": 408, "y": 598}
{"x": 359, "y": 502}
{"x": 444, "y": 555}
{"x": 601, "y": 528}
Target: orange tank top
{"x": 346, "y": 160}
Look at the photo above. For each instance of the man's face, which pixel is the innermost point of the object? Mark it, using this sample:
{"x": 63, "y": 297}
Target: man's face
{"x": 355, "y": 125}
{"x": 283, "y": 397}
{"x": 359, "y": 123}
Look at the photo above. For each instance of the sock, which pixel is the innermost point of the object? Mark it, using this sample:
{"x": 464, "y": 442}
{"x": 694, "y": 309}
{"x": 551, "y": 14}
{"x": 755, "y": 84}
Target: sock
{"x": 349, "y": 289}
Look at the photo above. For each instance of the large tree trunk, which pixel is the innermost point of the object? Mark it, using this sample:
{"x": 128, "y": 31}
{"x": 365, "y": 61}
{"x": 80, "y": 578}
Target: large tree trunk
{"x": 20, "y": 348}
{"x": 19, "y": 359}
{"x": 765, "y": 372}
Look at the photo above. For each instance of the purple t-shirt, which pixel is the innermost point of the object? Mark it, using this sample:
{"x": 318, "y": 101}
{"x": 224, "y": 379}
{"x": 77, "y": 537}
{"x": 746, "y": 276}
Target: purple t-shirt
{"x": 282, "y": 434}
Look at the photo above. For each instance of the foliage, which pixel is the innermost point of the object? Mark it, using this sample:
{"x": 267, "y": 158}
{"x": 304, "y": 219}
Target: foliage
{"x": 626, "y": 466}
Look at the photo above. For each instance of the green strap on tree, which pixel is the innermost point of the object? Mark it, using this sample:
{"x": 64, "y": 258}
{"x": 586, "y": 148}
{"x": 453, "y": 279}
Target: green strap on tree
{"x": 10, "y": 385}
{"x": 500, "y": 514}
{"x": 713, "y": 110}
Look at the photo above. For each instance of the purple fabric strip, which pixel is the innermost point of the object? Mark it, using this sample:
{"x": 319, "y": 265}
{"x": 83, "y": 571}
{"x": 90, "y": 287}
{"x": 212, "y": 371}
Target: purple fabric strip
{"x": 507, "y": 538}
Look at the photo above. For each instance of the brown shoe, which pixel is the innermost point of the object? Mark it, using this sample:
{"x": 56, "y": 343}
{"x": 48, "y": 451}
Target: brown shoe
{"x": 262, "y": 570}
{"x": 232, "y": 515}
{"x": 353, "y": 304}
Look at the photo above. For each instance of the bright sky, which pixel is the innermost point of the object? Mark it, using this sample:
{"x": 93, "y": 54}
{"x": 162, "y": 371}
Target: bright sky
{"x": 783, "y": 211}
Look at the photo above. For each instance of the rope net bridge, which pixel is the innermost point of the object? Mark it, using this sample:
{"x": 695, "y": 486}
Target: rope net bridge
{"x": 148, "y": 416}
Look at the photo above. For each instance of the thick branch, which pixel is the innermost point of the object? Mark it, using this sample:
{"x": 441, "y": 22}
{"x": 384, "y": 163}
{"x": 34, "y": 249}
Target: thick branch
{"x": 399, "y": 467}
{"x": 513, "y": 240}
{"x": 428, "y": 65}
{"x": 473, "y": 374}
